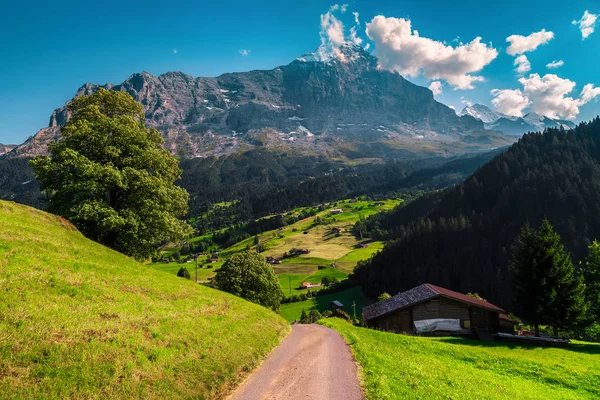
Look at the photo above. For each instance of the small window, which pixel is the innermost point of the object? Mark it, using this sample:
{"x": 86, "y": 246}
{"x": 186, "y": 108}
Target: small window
{"x": 434, "y": 306}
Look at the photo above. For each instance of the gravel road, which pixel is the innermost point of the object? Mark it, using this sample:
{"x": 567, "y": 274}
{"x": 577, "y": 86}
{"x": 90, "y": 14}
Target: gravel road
{"x": 313, "y": 362}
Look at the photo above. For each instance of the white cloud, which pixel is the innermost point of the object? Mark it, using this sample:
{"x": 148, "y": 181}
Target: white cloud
{"x": 510, "y": 102}
{"x": 353, "y": 37}
{"x": 465, "y": 101}
{"x": 356, "y": 20}
{"x": 452, "y": 107}
{"x": 174, "y": 51}
{"x": 589, "y": 92}
{"x": 436, "y": 87}
{"x": 523, "y": 44}
{"x": 550, "y": 95}
{"x": 367, "y": 46}
{"x": 587, "y": 24}
{"x": 245, "y": 52}
{"x": 332, "y": 29}
{"x": 523, "y": 64}
{"x": 555, "y": 64}
{"x": 343, "y": 8}
{"x": 400, "y": 48}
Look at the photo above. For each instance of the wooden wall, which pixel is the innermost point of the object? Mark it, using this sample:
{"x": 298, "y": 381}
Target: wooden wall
{"x": 441, "y": 307}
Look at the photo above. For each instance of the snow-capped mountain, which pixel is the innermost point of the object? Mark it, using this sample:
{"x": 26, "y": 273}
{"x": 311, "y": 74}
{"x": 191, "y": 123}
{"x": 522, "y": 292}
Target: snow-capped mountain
{"x": 516, "y": 126}
{"x": 483, "y": 113}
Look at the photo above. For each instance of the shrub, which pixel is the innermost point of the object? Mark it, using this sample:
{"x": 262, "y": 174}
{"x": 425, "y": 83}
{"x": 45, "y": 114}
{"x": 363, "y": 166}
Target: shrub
{"x": 183, "y": 273}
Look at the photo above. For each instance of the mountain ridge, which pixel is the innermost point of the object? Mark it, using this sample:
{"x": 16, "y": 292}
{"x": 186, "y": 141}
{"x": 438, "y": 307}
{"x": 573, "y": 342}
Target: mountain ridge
{"x": 331, "y": 101}
{"x": 510, "y": 125}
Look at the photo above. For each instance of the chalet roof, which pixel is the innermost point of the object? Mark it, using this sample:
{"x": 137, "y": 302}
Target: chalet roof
{"x": 337, "y": 303}
{"x": 420, "y": 294}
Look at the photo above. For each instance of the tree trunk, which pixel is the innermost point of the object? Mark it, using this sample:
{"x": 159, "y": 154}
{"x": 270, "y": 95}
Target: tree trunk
{"x": 537, "y": 330}
{"x": 555, "y": 331}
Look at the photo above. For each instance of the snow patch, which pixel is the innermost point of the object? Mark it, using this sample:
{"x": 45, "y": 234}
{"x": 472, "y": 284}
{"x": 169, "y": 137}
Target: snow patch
{"x": 294, "y": 118}
{"x": 304, "y": 130}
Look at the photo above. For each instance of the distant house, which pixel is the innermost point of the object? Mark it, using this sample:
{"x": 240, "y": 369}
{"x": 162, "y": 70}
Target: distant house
{"x": 431, "y": 309}
{"x": 362, "y": 245}
{"x": 276, "y": 261}
{"x": 213, "y": 259}
{"x": 334, "y": 305}
{"x": 270, "y": 260}
{"x": 309, "y": 285}
{"x": 336, "y": 211}
{"x": 337, "y": 230}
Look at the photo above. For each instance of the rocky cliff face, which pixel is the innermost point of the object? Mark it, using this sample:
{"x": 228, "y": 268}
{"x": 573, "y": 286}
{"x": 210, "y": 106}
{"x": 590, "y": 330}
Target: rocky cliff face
{"x": 316, "y": 103}
{"x": 5, "y": 148}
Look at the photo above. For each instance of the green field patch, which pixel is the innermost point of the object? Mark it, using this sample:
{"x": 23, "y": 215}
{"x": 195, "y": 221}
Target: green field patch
{"x": 292, "y": 311}
{"x": 408, "y": 367}
{"x": 204, "y": 272}
{"x": 290, "y": 282}
{"x": 349, "y": 261}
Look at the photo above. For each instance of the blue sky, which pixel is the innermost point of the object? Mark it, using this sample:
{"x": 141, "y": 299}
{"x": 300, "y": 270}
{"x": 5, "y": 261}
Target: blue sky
{"x": 48, "y": 50}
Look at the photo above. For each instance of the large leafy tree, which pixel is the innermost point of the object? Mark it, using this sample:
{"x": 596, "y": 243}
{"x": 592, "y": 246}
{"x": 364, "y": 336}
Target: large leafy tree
{"x": 111, "y": 176}
{"x": 247, "y": 275}
{"x": 546, "y": 288}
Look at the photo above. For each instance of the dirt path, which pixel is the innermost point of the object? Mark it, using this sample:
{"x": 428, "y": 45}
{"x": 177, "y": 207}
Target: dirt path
{"x": 313, "y": 362}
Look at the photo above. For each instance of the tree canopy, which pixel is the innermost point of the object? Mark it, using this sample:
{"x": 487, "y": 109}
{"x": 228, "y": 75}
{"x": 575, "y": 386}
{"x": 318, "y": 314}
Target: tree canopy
{"x": 112, "y": 177}
{"x": 247, "y": 275}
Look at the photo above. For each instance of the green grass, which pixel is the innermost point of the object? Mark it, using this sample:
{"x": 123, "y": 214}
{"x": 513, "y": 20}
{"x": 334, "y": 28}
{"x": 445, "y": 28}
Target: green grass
{"x": 204, "y": 273}
{"x": 405, "y": 367}
{"x": 296, "y": 279}
{"x": 349, "y": 261}
{"x": 78, "y": 320}
{"x": 292, "y": 311}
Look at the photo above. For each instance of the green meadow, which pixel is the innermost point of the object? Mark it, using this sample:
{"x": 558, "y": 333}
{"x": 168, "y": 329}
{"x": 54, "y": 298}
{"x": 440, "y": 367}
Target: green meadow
{"x": 408, "y": 367}
{"x": 78, "y": 320}
{"x": 291, "y": 311}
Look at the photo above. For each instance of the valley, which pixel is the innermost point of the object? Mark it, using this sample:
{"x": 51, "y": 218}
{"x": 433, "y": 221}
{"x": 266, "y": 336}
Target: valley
{"x": 333, "y": 252}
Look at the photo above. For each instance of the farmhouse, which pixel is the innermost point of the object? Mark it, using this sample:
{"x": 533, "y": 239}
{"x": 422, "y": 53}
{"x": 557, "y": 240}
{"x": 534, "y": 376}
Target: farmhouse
{"x": 336, "y": 211}
{"x": 428, "y": 308}
{"x": 309, "y": 285}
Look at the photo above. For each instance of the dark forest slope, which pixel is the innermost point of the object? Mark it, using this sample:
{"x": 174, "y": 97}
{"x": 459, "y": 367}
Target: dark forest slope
{"x": 461, "y": 238}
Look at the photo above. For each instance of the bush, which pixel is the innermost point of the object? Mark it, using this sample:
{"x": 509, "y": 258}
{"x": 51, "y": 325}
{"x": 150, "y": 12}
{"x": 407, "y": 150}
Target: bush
{"x": 183, "y": 273}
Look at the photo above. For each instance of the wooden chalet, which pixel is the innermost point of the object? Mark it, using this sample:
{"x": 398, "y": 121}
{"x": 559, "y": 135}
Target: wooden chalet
{"x": 422, "y": 304}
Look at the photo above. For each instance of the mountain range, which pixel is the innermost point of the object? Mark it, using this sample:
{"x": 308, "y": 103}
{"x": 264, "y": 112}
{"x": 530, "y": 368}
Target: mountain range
{"x": 334, "y": 101}
{"x": 509, "y": 125}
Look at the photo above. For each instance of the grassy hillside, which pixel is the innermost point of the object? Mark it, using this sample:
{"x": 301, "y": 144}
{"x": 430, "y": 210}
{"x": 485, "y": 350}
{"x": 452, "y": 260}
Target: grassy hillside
{"x": 326, "y": 247}
{"x": 78, "y": 320}
{"x": 406, "y": 367}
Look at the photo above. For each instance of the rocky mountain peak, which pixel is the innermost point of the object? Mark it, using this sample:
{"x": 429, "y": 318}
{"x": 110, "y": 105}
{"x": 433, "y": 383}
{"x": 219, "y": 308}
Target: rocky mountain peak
{"x": 328, "y": 101}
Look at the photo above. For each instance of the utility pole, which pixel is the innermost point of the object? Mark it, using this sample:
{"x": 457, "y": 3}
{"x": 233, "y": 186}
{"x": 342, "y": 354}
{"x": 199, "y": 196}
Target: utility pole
{"x": 354, "y": 307}
{"x": 196, "y": 258}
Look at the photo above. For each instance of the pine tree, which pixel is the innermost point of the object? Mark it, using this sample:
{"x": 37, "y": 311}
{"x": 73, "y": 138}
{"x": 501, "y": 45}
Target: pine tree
{"x": 546, "y": 288}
